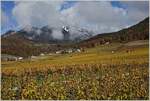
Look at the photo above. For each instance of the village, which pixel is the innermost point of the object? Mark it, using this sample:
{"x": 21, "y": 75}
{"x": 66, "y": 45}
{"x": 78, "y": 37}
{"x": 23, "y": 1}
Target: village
{"x": 6, "y": 57}
{"x": 42, "y": 55}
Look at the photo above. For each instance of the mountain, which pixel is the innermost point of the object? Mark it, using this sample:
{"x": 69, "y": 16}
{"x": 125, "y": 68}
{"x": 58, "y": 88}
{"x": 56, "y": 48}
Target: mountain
{"x": 34, "y": 41}
{"x": 40, "y": 35}
{"x": 52, "y": 35}
{"x": 139, "y": 31}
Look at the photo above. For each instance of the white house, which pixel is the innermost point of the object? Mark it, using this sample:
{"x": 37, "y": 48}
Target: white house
{"x": 20, "y": 58}
{"x": 70, "y": 51}
{"x": 33, "y": 57}
{"x": 42, "y": 54}
{"x": 112, "y": 52}
{"x": 58, "y": 52}
{"x": 107, "y": 43}
{"x": 78, "y": 50}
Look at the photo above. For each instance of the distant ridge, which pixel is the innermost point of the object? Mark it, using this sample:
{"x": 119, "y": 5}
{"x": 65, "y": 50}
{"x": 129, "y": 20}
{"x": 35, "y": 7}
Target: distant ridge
{"x": 139, "y": 31}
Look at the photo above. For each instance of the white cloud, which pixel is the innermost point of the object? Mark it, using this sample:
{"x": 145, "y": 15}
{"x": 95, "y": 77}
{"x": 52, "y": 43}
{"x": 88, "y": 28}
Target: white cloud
{"x": 57, "y": 34}
{"x": 98, "y": 16}
{"x": 37, "y": 13}
{"x": 103, "y": 17}
{"x": 137, "y": 10}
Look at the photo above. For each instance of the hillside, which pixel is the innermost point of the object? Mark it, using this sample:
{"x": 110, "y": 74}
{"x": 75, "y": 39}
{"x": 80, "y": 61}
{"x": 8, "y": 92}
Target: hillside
{"x": 17, "y": 45}
{"x": 20, "y": 46}
{"x": 139, "y": 31}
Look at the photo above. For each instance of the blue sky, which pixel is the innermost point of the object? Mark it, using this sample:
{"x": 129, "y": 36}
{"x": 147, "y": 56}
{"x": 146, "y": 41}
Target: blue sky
{"x": 8, "y": 6}
{"x": 67, "y": 4}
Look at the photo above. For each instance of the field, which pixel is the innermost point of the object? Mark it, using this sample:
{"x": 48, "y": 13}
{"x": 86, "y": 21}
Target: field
{"x": 113, "y": 71}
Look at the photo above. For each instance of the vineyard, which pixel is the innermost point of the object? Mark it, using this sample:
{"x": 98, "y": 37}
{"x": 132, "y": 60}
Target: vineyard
{"x": 114, "y": 71}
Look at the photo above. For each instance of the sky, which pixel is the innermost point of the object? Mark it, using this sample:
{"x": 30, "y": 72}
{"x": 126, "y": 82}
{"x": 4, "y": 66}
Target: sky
{"x": 98, "y": 16}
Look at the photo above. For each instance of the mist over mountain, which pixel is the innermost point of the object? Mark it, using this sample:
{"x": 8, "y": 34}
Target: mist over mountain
{"x": 48, "y": 34}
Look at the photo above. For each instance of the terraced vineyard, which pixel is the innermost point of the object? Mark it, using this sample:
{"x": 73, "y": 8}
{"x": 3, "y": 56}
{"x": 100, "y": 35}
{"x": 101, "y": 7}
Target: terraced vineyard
{"x": 113, "y": 71}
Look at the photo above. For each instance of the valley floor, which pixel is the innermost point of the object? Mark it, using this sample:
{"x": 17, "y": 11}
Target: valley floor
{"x": 113, "y": 71}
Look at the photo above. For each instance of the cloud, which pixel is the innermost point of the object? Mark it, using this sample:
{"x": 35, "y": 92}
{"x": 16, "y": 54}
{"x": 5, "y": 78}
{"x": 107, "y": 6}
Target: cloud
{"x": 92, "y": 15}
{"x": 37, "y": 13}
{"x": 104, "y": 17}
{"x": 57, "y": 34}
{"x": 137, "y": 10}
{"x": 101, "y": 16}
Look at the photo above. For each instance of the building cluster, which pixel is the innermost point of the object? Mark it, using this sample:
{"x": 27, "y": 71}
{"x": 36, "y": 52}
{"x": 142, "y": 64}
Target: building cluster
{"x": 71, "y": 50}
{"x": 5, "y": 57}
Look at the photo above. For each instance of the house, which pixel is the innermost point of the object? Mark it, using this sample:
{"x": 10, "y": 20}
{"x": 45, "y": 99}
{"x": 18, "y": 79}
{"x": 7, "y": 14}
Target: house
{"x": 69, "y": 51}
{"x": 33, "y": 57}
{"x": 5, "y": 57}
{"x": 107, "y": 43}
{"x": 50, "y": 54}
{"x": 20, "y": 58}
{"x": 42, "y": 54}
{"x": 78, "y": 50}
{"x": 59, "y": 52}
{"x": 112, "y": 52}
